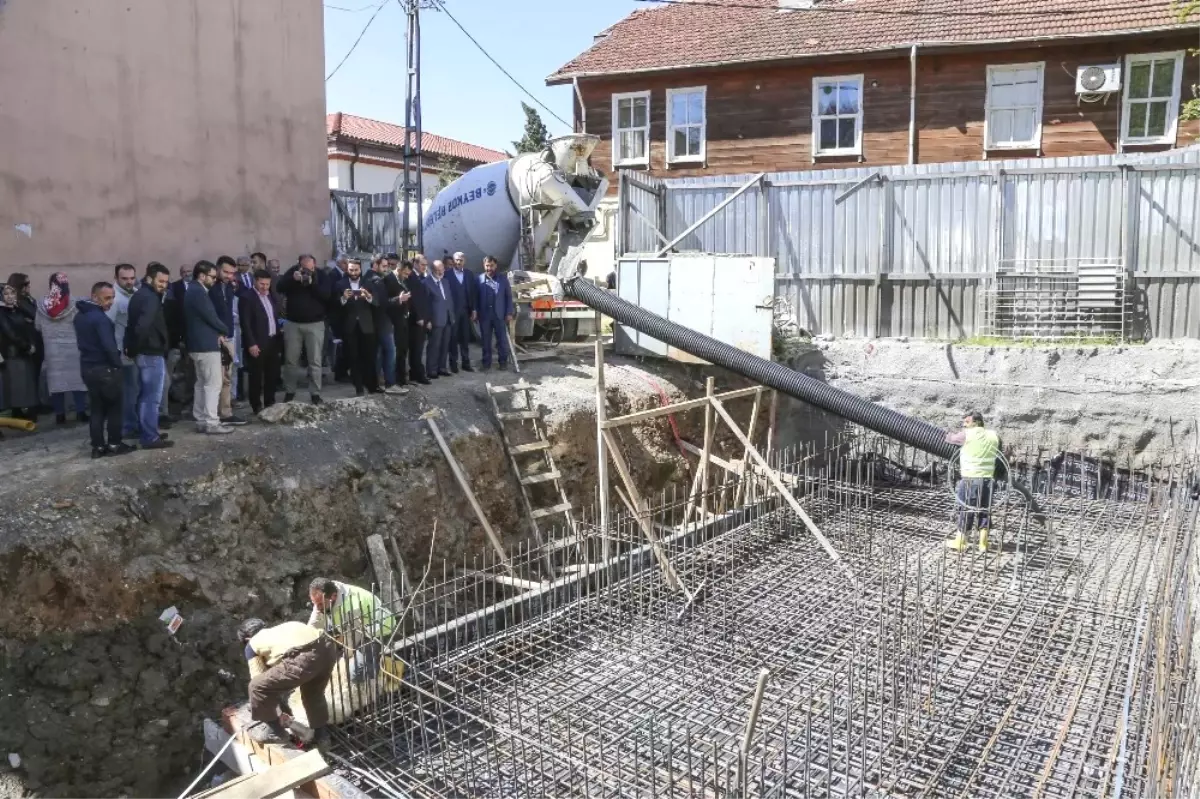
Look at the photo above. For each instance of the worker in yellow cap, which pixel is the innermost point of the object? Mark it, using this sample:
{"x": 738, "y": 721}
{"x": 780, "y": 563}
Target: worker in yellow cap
{"x": 977, "y": 463}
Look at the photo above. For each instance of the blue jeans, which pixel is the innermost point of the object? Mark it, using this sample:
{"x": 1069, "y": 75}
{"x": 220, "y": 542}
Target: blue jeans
{"x": 58, "y": 401}
{"x": 152, "y": 374}
{"x": 129, "y": 400}
{"x": 387, "y": 354}
{"x": 976, "y": 494}
{"x": 490, "y": 326}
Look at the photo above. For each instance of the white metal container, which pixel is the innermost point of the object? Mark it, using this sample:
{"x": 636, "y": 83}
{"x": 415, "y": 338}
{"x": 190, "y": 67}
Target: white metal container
{"x": 726, "y": 297}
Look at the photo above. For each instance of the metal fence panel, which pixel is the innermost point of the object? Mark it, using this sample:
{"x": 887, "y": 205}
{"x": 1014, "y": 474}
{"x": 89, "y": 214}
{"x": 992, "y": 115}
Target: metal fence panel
{"x": 941, "y": 230}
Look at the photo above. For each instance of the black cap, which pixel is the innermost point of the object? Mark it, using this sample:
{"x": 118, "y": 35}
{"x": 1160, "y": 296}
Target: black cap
{"x": 391, "y": 256}
{"x": 250, "y": 628}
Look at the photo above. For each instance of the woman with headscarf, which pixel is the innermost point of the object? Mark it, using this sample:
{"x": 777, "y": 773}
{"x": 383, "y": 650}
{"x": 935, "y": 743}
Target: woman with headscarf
{"x": 18, "y": 368}
{"x": 56, "y": 323}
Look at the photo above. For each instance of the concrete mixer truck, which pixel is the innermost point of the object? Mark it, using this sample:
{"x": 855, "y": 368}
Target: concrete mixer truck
{"x": 533, "y": 213}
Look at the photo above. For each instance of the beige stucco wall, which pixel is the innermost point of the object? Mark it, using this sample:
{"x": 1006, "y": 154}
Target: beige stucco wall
{"x": 169, "y": 130}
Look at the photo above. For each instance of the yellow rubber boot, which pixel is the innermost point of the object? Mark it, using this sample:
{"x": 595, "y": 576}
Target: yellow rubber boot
{"x": 958, "y": 543}
{"x": 983, "y": 539}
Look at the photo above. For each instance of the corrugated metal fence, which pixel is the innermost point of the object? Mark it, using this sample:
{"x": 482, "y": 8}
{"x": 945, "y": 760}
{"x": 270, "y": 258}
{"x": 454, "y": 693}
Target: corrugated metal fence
{"x": 907, "y": 250}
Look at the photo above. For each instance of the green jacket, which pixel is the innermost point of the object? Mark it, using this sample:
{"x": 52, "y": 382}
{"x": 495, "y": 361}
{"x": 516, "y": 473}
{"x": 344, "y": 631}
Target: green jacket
{"x": 355, "y": 614}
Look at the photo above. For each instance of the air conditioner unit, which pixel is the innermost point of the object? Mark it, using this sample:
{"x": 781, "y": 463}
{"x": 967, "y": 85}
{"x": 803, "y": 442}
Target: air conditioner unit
{"x": 1098, "y": 79}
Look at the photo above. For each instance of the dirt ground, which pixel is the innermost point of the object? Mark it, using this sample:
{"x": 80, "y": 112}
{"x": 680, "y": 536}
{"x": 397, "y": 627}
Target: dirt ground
{"x": 97, "y": 699}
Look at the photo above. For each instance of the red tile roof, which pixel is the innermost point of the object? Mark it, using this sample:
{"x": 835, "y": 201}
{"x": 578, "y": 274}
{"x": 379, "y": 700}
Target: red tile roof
{"x": 371, "y": 131}
{"x": 698, "y": 33}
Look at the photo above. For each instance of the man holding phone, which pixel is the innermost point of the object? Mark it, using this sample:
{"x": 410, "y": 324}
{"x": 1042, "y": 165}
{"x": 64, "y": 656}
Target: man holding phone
{"x": 357, "y": 329}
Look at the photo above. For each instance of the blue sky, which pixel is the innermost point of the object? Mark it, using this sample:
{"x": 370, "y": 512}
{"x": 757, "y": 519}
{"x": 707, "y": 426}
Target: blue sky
{"x": 464, "y": 96}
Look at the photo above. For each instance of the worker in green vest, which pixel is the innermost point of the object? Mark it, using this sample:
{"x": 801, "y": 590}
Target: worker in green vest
{"x": 356, "y": 617}
{"x": 977, "y": 465}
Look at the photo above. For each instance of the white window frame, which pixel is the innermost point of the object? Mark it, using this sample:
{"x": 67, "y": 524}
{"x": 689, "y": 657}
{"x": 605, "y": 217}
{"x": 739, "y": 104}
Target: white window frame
{"x": 644, "y": 160}
{"x": 816, "y": 117}
{"x": 1172, "y": 128}
{"x": 672, "y": 158}
{"x": 1036, "y": 142}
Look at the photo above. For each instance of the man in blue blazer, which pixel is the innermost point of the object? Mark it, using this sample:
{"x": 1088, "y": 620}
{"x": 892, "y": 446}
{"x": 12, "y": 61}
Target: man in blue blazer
{"x": 464, "y": 284}
{"x": 443, "y": 312}
{"x": 495, "y": 312}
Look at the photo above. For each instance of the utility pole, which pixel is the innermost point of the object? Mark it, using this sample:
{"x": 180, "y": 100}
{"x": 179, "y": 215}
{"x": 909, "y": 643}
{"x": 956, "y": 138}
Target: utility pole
{"x": 414, "y": 153}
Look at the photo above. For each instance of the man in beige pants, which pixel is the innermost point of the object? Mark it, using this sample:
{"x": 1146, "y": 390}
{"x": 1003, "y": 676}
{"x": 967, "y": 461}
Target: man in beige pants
{"x": 224, "y": 297}
{"x": 205, "y": 334}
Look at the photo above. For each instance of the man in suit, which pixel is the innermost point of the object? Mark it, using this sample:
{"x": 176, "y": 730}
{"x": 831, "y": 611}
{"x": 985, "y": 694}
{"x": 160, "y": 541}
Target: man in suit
{"x": 442, "y": 312}
{"x": 495, "y": 312}
{"x": 359, "y": 298}
{"x": 260, "y": 314}
{"x": 419, "y": 315}
{"x": 395, "y": 308}
{"x": 224, "y": 295}
{"x": 205, "y": 336}
{"x": 245, "y": 275}
{"x": 173, "y": 310}
{"x": 464, "y": 284}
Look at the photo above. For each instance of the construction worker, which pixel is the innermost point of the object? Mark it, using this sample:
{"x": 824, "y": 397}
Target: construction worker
{"x": 281, "y": 659}
{"x": 357, "y": 617}
{"x": 977, "y": 463}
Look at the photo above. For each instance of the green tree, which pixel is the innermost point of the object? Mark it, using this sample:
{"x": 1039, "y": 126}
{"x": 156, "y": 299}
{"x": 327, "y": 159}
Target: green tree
{"x": 447, "y": 171}
{"x": 1187, "y": 9}
{"x": 536, "y": 136}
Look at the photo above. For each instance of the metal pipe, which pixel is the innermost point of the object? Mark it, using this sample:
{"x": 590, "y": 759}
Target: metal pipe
{"x": 582, "y": 107}
{"x": 912, "y": 105}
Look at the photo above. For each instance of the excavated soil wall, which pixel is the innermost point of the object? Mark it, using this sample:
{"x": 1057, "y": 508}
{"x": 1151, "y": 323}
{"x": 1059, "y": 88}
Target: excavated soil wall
{"x": 98, "y": 699}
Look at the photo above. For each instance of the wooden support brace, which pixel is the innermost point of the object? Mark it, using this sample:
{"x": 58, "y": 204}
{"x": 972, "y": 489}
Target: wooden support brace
{"x": 641, "y": 514}
{"x": 465, "y": 485}
{"x": 741, "y": 492}
{"x": 782, "y": 489}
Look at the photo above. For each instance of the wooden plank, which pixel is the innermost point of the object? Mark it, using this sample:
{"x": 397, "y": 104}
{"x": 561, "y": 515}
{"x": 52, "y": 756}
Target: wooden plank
{"x": 742, "y": 484}
{"x": 675, "y": 407}
{"x": 601, "y": 453}
{"x": 782, "y": 489}
{"x": 275, "y": 780}
{"x": 540, "y": 478}
{"x": 512, "y": 416}
{"x": 512, "y": 582}
{"x": 541, "y": 513}
{"x": 518, "y": 386}
{"x": 465, "y": 485}
{"x": 382, "y": 567}
{"x": 642, "y": 515}
{"x": 224, "y": 785}
{"x": 521, "y": 449}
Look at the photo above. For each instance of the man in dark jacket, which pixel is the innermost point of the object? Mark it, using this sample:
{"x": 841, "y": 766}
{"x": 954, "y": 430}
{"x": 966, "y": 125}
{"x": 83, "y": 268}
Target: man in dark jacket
{"x": 100, "y": 364}
{"x": 442, "y": 314}
{"x": 385, "y": 328}
{"x": 205, "y": 336}
{"x": 419, "y": 315}
{"x": 396, "y": 303}
{"x": 359, "y": 297}
{"x": 495, "y": 312}
{"x": 306, "y": 291}
{"x": 224, "y": 295}
{"x": 259, "y": 314}
{"x": 173, "y": 308}
{"x": 464, "y": 285}
{"x": 146, "y": 342}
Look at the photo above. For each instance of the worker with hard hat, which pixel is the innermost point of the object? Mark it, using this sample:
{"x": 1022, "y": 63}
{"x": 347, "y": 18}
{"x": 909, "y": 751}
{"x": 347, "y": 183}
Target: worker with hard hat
{"x": 977, "y": 466}
{"x": 281, "y": 659}
{"x": 354, "y": 616}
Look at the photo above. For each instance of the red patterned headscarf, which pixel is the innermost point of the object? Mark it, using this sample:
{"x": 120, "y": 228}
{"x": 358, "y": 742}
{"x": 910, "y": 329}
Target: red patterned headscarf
{"x": 58, "y": 298}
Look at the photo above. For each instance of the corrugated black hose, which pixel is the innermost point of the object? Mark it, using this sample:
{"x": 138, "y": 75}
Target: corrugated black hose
{"x": 913, "y": 432}
{"x": 903, "y": 428}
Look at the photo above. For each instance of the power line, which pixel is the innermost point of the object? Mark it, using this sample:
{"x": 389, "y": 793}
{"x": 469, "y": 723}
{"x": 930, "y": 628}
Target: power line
{"x": 354, "y": 46}
{"x": 351, "y": 10}
{"x": 901, "y": 12}
{"x": 507, "y": 74}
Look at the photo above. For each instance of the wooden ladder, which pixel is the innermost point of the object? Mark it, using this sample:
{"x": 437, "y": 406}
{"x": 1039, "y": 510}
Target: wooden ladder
{"x": 521, "y": 411}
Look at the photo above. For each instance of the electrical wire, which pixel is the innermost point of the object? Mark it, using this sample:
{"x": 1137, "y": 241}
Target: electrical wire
{"x": 903, "y": 12}
{"x": 354, "y": 46}
{"x": 507, "y": 74}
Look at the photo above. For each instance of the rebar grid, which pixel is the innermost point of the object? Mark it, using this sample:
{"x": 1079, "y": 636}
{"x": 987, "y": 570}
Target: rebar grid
{"x": 1056, "y": 666}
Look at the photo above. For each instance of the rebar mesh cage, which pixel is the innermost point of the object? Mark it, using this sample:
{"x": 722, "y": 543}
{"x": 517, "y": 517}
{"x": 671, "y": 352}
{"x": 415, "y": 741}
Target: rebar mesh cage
{"x": 1056, "y": 665}
{"x": 1056, "y": 299}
